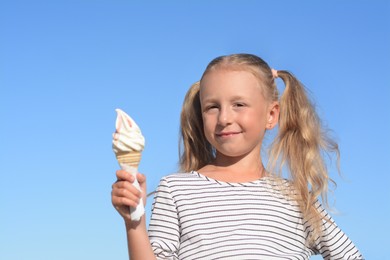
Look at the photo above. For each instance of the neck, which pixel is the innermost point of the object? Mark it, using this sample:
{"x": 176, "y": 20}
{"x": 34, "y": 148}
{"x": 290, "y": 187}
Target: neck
{"x": 237, "y": 169}
{"x": 243, "y": 162}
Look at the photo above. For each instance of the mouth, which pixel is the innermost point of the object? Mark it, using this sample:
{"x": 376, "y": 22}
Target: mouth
{"x": 227, "y": 134}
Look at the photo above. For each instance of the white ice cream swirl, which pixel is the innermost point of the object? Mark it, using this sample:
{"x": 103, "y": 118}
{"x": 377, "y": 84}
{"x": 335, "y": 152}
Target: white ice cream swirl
{"x": 127, "y": 137}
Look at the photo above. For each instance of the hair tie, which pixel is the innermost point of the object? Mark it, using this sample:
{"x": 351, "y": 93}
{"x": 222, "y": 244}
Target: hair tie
{"x": 274, "y": 73}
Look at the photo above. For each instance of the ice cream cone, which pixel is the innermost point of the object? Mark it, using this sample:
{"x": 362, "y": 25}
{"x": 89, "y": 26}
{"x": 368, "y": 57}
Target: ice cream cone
{"x": 128, "y": 143}
{"x": 131, "y": 159}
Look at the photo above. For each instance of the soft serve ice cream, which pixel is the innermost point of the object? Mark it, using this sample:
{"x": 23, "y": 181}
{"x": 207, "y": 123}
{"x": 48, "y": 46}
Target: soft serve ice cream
{"x": 128, "y": 143}
{"x": 127, "y": 137}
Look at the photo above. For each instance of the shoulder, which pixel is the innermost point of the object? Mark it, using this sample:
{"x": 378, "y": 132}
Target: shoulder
{"x": 179, "y": 185}
{"x": 283, "y": 189}
{"x": 280, "y": 184}
{"x": 180, "y": 179}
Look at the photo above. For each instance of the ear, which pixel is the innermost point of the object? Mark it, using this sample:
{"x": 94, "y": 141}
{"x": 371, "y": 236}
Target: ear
{"x": 273, "y": 115}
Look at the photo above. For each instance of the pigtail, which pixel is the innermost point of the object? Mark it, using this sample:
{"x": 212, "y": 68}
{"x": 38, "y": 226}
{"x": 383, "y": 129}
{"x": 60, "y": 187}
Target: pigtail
{"x": 301, "y": 144}
{"x": 195, "y": 150}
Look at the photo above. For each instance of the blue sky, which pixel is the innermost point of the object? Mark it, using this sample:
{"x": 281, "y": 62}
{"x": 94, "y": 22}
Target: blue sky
{"x": 66, "y": 65}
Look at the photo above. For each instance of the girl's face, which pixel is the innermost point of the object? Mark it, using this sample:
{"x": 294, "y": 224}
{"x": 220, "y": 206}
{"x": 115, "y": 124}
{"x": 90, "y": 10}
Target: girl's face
{"x": 235, "y": 112}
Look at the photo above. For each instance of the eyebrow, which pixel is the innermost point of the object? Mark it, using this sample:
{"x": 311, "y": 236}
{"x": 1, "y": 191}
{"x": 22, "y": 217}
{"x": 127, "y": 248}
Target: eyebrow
{"x": 233, "y": 98}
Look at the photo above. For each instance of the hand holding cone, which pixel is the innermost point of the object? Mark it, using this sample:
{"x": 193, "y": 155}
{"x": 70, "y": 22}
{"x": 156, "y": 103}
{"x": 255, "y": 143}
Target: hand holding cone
{"x": 128, "y": 143}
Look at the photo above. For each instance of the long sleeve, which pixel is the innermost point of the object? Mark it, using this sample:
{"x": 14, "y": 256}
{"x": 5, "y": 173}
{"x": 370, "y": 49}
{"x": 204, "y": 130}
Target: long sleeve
{"x": 334, "y": 243}
{"x": 164, "y": 228}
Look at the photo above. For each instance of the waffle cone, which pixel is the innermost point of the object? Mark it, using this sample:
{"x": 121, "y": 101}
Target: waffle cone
{"x": 131, "y": 159}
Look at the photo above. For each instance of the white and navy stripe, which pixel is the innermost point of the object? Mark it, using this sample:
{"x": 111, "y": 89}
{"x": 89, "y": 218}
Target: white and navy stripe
{"x": 195, "y": 217}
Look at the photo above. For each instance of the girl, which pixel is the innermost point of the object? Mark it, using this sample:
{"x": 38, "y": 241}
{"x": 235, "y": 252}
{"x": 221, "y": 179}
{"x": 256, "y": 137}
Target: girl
{"x": 228, "y": 205}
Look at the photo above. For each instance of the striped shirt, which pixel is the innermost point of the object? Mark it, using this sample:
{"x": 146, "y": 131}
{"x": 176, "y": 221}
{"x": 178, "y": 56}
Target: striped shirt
{"x": 196, "y": 217}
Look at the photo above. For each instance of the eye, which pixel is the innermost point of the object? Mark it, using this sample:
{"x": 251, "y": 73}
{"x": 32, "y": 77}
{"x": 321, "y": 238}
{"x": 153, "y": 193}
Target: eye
{"x": 239, "y": 104}
{"x": 211, "y": 107}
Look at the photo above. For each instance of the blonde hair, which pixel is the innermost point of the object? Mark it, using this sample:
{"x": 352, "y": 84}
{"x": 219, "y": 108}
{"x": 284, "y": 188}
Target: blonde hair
{"x": 197, "y": 151}
{"x": 301, "y": 141}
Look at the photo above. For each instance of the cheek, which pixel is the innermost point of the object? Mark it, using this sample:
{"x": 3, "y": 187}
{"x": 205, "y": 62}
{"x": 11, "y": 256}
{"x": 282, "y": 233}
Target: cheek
{"x": 205, "y": 122}
{"x": 208, "y": 134}
{"x": 209, "y": 120}
{"x": 209, "y": 129}
{"x": 255, "y": 118}
{"x": 207, "y": 126}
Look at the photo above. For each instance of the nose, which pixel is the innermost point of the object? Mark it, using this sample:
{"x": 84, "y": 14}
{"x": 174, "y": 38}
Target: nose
{"x": 225, "y": 116}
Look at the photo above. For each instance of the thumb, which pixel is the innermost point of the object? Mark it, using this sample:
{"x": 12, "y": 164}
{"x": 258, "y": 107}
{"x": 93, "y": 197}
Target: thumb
{"x": 141, "y": 178}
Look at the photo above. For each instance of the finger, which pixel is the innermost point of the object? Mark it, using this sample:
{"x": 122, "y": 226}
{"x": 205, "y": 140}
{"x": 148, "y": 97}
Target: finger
{"x": 141, "y": 178}
{"x": 122, "y": 197}
{"x": 119, "y": 194}
{"x": 124, "y": 176}
{"x": 120, "y": 184}
{"x": 126, "y": 189}
{"x": 122, "y": 203}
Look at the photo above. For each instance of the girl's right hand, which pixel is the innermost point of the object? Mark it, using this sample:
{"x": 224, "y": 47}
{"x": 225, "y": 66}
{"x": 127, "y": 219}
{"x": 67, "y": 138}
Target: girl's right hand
{"x": 124, "y": 195}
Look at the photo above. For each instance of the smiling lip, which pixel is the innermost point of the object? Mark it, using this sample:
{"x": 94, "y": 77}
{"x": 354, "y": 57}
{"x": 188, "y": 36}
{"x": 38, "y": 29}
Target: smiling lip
{"x": 227, "y": 134}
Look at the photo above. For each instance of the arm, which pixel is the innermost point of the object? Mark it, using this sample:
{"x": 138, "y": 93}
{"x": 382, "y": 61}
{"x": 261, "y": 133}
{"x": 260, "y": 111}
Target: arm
{"x": 124, "y": 195}
{"x": 138, "y": 240}
{"x": 164, "y": 227}
{"x": 334, "y": 243}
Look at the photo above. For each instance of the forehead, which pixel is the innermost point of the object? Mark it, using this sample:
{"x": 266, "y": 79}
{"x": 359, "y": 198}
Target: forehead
{"x": 236, "y": 66}
{"x": 229, "y": 83}
{"x": 223, "y": 78}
